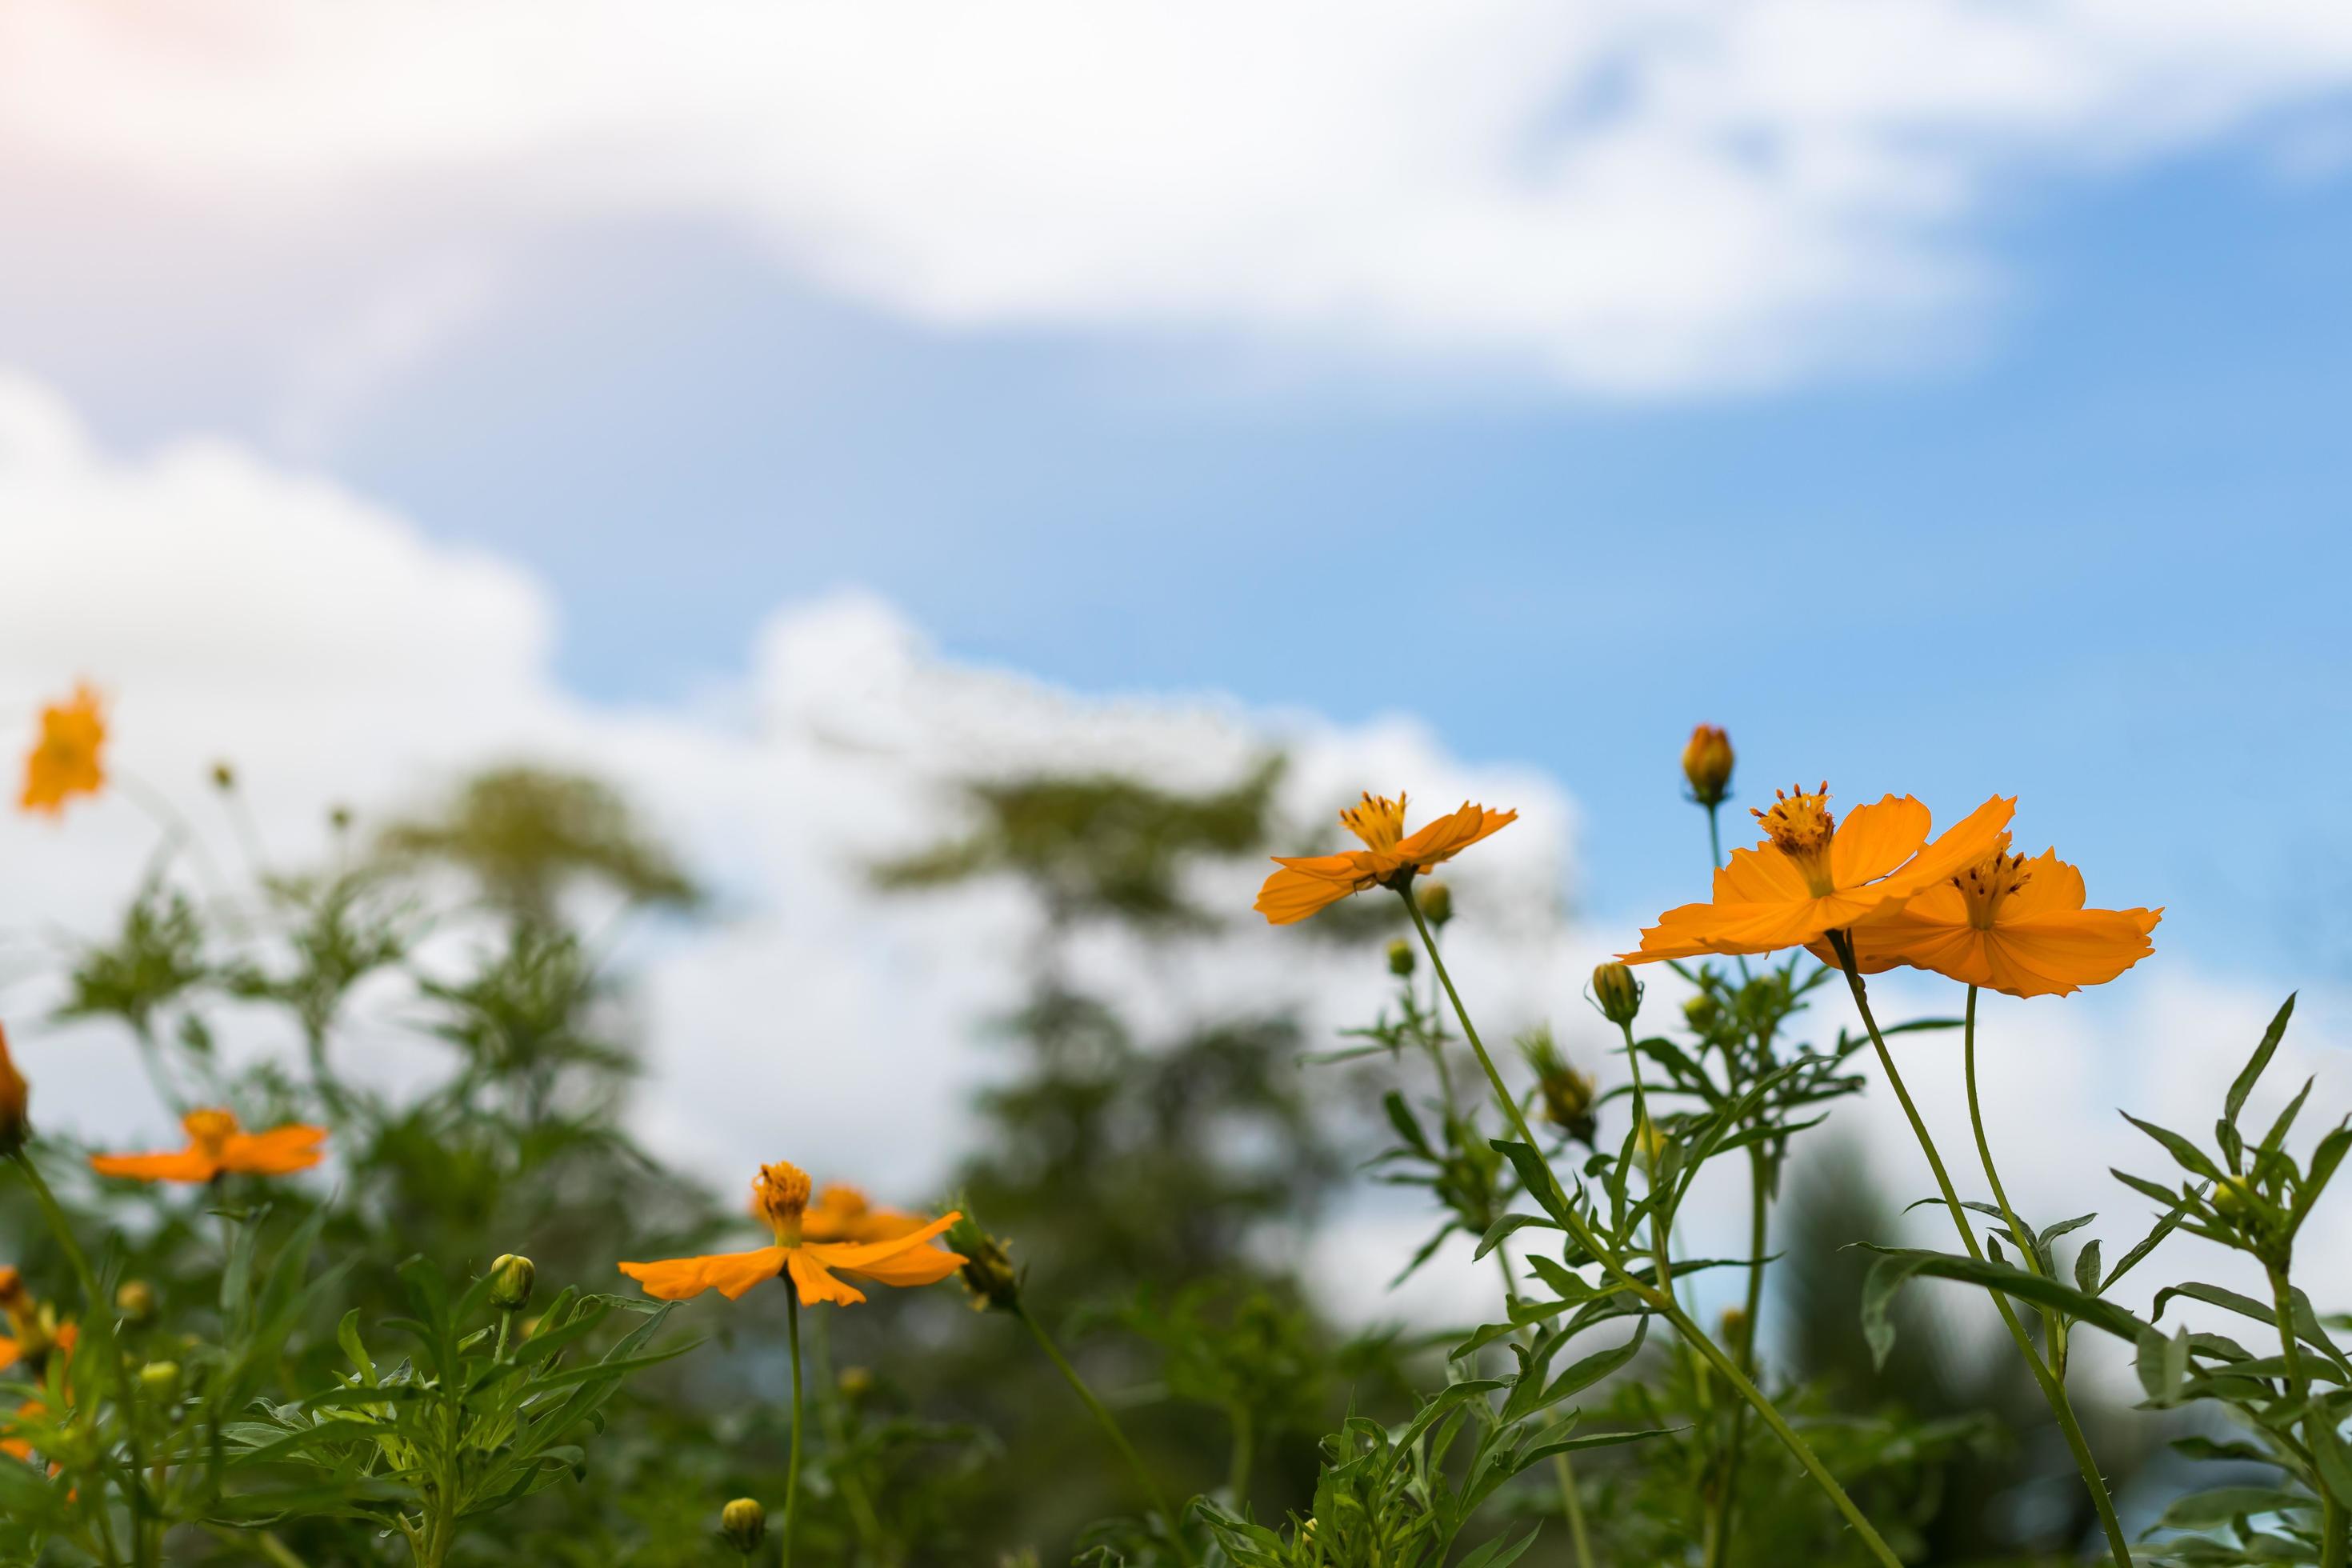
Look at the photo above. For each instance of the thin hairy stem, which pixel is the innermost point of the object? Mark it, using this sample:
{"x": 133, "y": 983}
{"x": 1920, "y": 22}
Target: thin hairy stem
{"x": 792, "y": 1464}
{"x": 2053, "y": 1389}
{"x": 1110, "y": 1424}
{"x": 1659, "y": 1301}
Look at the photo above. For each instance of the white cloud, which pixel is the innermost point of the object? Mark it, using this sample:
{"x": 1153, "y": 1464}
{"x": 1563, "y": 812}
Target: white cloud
{"x": 235, "y": 609}
{"x": 1634, "y": 197}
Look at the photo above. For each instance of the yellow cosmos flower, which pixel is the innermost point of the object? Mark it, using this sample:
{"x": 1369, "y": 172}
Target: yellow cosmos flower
{"x": 2010, "y": 925}
{"x": 1812, "y": 875}
{"x": 68, "y": 759}
{"x": 1312, "y": 882}
{"x": 780, "y": 1195}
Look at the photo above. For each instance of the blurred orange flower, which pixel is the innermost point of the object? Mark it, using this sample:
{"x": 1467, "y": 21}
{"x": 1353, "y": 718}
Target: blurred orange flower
{"x": 1813, "y": 876}
{"x": 2007, "y": 923}
{"x": 66, "y": 759}
{"x": 1311, "y": 882}
{"x": 841, "y": 1214}
{"x": 217, "y": 1147}
{"x": 780, "y": 1195}
{"x": 13, "y": 1099}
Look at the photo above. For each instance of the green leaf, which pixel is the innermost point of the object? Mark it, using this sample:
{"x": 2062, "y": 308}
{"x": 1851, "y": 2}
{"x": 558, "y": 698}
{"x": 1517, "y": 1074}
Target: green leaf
{"x": 2086, "y": 1267}
{"x": 2148, "y": 1244}
{"x": 1536, "y": 1176}
{"x": 2244, "y": 1084}
{"x": 1505, "y": 1226}
{"x": 2187, "y": 1155}
{"x": 1584, "y": 1373}
{"x": 2203, "y": 1510}
{"x": 1897, "y": 1264}
{"x": 1400, "y": 1117}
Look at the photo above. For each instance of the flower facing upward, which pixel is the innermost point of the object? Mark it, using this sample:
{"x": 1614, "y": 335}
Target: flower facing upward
{"x": 780, "y": 1195}
{"x": 1311, "y": 882}
{"x": 2007, "y": 923}
{"x": 68, "y": 759}
{"x": 217, "y": 1146}
{"x": 1814, "y": 875}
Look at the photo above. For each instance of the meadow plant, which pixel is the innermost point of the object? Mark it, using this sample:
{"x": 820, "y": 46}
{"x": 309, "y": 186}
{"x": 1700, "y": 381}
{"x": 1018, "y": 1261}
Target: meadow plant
{"x": 346, "y": 1324}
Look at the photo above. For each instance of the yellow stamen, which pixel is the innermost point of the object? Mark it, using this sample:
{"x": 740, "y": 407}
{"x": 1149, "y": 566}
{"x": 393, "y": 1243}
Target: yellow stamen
{"x": 1990, "y": 881}
{"x": 210, "y": 1130}
{"x": 1378, "y": 822}
{"x": 781, "y": 1194}
{"x": 1800, "y": 826}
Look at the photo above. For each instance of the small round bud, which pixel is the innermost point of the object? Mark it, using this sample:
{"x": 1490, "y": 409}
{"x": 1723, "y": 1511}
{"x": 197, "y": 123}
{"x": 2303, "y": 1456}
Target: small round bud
{"x": 988, "y": 1272}
{"x": 16, "y": 1121}
{"x": 1706, "y": 763}
{"x": 1619, "y": 994}
{"x": 1401, "y": 958}
{"x": 856, "y": 1382}
{"x": 1567, "y": 1097}
{"x": 1649, "y": 1146}
{"x": 159, "y": 1380}
{"x": 1732, "y": 1329}
{"x": 339, "y": 818}
{"x": 135, "y": 1302}
{"x": 1703, "y": 1012}
{"x": 511, "y": 1278}
{"x": 2234, "y": 1196}
{"x": 1436, "y": 902}
{"x": 743, "y": 1524}
{"x": 223, "y": 777}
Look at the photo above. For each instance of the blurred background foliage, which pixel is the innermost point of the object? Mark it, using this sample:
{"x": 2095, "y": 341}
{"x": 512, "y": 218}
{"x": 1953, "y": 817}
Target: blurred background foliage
{"x": 1155, "y": 1186}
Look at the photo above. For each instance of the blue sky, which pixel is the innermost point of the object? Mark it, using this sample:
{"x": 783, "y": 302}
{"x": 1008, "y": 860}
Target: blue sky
{"x": 2081, "y": 534}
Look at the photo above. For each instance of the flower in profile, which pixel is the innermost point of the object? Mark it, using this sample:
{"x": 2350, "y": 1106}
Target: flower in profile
{"x": 1312, "y": 882}
{"x": 216, "y": 1147}
{"x": 34, "y": 1332}
{"x": 1814, "y": 875}
{"x": 2009, "y": 924}
{"x": 780, "y": 1195}
{"x": 68, "y": 758}
{"x": 841, "y": 1212}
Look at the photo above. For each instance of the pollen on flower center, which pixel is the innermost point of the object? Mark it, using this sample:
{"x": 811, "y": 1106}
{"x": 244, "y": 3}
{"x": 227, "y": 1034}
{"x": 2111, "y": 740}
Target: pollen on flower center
{"x": 1990, "y": 881}
{"x": 1378, "y": 822}
{"x": 210, "y": 1131}
{"x": 780, "y": 1193}
{"x": 1800, "y": 825}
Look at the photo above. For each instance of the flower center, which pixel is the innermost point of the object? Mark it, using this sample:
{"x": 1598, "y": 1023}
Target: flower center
{"x": 1378, "y": 822}
{"x": 1990, "y": 881}
{"x": 1800, "y": 826}
{"x": 781, "y": 1194}
{"x": 210, "y": 1131}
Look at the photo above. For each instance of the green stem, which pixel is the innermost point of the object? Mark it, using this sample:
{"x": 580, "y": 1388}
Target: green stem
{"x": 2335, "y": 1544}
{"x": 1759, "y": 1198}
{"x": 1562, "y": 1471}
{"x": 1237, "y": 1473}
{"x": 1110, "y": 1424}
{"x": 2029, "y": 1260}
{"x": 1658, "y": 1302}
{"x": 2053, "y": 1389}
{"x": 793, "y": 1465}
{"x": 1661, "y": 1223}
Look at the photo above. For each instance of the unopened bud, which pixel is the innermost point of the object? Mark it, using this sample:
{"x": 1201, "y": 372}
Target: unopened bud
{"x": 1649, "y": 1146}
{"x": 223, "y": 777}
{"x": 135, "y": 1302}
{"x": 1567, "y": 1093}
{"x": 1400, "y": 958}
{"x": 339, "y": 818}
{"x": 511, "y": 1278}
{"x": 743, "y": 1524}
{"x": 15, "y": 1125}
{"x": 1619, "y": 994}
{"x": 1732, "y": 1329}
{"x": 1436, "y": 902}
{"x": 856, "y": 1382}
{"x": 159, "y": 1380}
{"x": 988, "y": 1272}
{"x": 1706, "y": 763}
{"x": 2234, "y": 1196}
{"x": 1703, "y": 1011}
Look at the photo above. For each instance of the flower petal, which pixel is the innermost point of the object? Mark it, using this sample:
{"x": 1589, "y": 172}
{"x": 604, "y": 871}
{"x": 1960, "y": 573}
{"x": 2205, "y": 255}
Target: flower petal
{"x": 1874, "y": 839}
{"x": 729, "y": 1273}
{"x": 1962, "y": 844}
{"x": 182, "y": 1166}
{"x": 1289, "y": 895}
{"x": 816, "y": 1283}
{"x": 277, "y": 1153}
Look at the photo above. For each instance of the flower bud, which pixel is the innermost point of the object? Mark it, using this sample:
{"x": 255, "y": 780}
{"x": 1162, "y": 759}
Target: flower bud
{"x": 743, "y": 1524}
{"x": 1400, "y": 958}
{"x": 135, "y": 1302}
{"x": 856, "y": 1382}
{"x": 1436, "y": 902}
{"x": 511, "y": 1278}
{"x": 223, "y": 777}
{"x": 1706, "y": 763}
{"x": 159, "y": 1380}
{"x": 1649, "y": 1146}
{"x": 339, "y": 818}
{"x": 15, "y": 1125}
{"x": 1567, "y": 1093}
{"x": 1703, "y": 1012}
{"x": 988, "y": 1272}
{"x": 1619, "y": 994}
{"x": 1731, "y": 1329}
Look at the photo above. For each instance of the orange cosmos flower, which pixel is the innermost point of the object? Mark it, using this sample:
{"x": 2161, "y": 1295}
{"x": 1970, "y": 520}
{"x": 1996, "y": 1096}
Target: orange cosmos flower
{"x": 1811, "y": 876}
{"x": 780, "y": 1194}
{"x": 1311, "y": 882}
{"x": 66, "y": 761}
{"x": 841, "y": 1214}
{"x": 14, "y": 1122}
{"x": 2007, "y": 923}
{"x": 217, "y": 1147}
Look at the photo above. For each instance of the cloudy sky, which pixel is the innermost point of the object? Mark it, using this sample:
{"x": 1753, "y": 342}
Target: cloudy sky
{"x": 787, "y": 406}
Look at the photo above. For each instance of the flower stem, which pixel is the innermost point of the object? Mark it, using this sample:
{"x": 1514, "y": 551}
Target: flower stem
{"x": 2053, "y": 1389}
{"x": 2050, "y": 1323}
{"x": 1562, "y": 1469}
{"x": 2333, "y": 1543}
{"x": 1110, "y": 1424}
{"x": 793, "y": 1466}
{"x": 1759, "y": 1199}
{"x": 1659, "y": 1301}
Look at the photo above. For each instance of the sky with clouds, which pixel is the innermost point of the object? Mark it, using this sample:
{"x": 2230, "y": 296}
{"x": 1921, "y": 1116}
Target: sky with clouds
{"x": 780, "y": 406}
